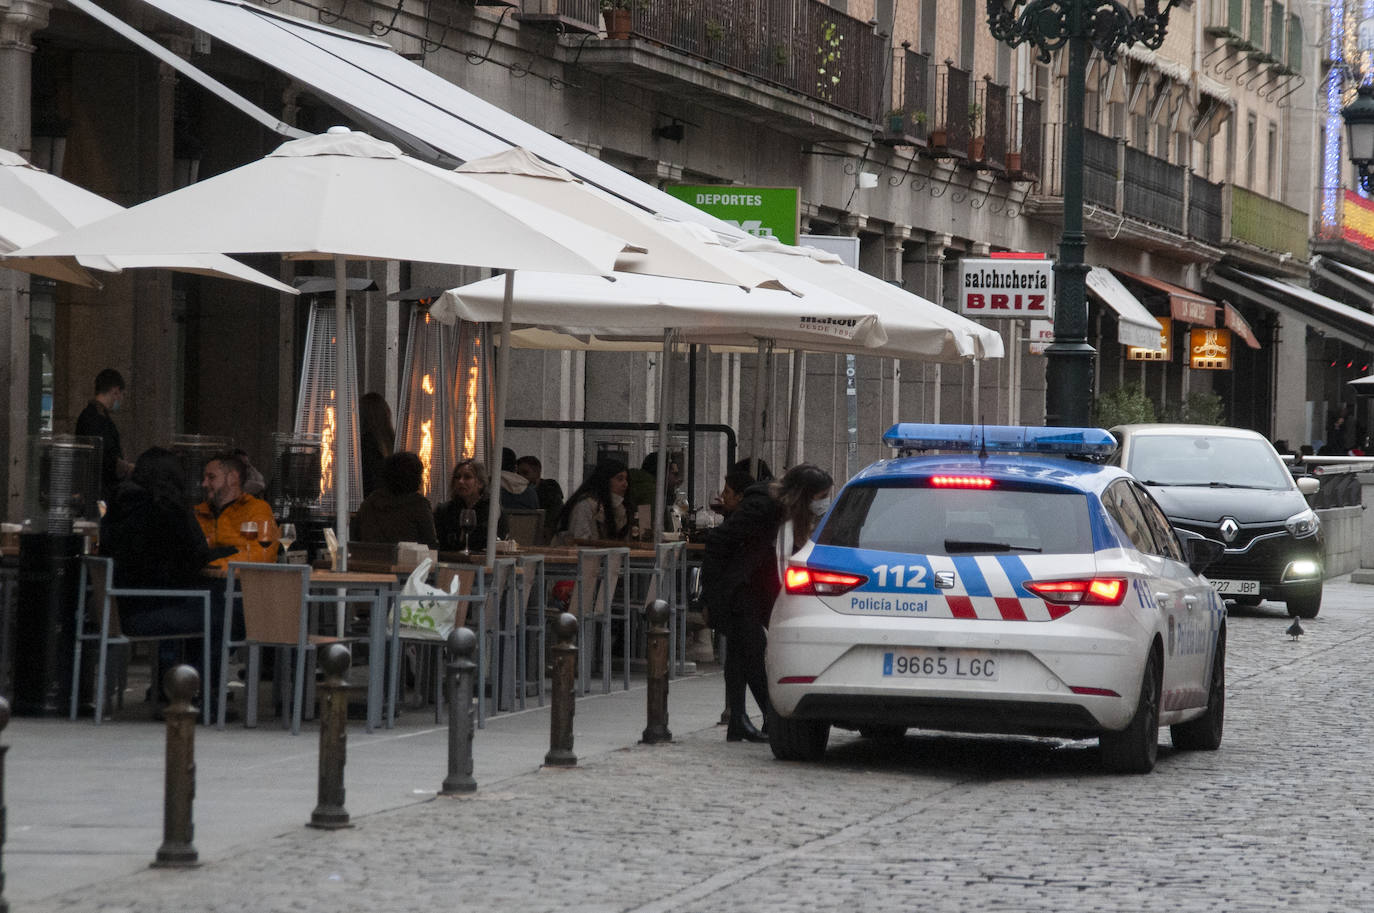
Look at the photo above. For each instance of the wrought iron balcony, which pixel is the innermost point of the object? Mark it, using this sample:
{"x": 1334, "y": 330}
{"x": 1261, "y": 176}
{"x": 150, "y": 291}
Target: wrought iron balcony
{"x": 1266, "y": 223}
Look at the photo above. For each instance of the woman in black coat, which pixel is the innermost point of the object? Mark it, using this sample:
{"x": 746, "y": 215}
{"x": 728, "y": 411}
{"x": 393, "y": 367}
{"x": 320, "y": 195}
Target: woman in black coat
{"x": 739, "y": 576}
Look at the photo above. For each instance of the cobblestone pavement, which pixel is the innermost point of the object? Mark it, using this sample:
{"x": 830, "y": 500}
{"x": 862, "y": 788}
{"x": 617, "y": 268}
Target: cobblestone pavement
{"x": 1276, "y": 820}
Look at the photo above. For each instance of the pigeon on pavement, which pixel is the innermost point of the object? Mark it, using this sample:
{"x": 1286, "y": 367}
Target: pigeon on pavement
{"x": 1295, "y": 629}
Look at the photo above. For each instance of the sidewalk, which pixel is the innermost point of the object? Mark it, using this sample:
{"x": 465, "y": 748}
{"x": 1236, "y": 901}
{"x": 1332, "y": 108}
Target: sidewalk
{"x": 85, "y": 801}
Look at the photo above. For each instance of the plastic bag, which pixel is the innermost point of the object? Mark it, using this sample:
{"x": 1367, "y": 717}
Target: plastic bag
{"x": 431, "y": 619}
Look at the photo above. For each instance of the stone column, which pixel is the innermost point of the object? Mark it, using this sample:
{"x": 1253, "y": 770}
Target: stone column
{"x": 19, "y": 19}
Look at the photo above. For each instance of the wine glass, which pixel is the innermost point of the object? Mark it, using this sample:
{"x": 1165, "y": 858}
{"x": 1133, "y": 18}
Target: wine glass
{"x": 467, "y": 522}
{"x": 265, "y": 537}
{"x": 286, "y": 537}
{"x": 248, "y": 529}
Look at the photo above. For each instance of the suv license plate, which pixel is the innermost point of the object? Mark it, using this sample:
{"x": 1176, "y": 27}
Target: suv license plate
{"x": 976, "y": 665}
{"x": 1236, "y": 587}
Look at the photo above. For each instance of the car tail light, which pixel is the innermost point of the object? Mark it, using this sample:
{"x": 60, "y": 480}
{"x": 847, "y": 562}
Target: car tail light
{"x": 980, "y": 482}
{"x": 1086, "y": 591}
{"x": 805, "y": 581}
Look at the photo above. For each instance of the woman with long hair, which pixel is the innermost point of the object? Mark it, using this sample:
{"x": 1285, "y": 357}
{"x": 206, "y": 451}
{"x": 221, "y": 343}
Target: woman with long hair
{"x": 469, "y": 487}
{"x": 600, "y": 508}
{"x": 376, "y": 438}
{"x": 805, "y": 497}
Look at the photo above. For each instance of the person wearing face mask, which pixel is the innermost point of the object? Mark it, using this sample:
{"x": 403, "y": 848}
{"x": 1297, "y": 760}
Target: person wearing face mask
{"x": 805, "y": 497}
{"x": 96, "y": 420}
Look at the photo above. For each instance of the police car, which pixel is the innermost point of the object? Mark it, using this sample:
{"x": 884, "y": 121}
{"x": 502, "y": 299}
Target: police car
{"x": 999, "y": 579}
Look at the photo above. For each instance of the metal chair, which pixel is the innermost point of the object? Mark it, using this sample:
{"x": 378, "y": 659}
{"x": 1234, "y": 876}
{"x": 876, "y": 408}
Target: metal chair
{"x": 429, "y": 651}
{"x": 603, "y": 574}
{"x": 526, "y": 526}
{"x": 276, "y": 613}
{"x": 532, "y": 638}
{"x": 98, "y": 572}
{"x": 670, "y": 585}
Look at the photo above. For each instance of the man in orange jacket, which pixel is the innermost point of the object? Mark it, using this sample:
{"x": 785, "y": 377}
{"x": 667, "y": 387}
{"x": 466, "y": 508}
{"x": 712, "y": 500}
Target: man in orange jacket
{"x": 227, "y": 508}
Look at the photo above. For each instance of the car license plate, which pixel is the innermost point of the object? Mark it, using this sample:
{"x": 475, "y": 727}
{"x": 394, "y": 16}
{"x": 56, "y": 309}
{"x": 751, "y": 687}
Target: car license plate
{"x": 977, "y": 665}
{"x": 1236, "y": 587}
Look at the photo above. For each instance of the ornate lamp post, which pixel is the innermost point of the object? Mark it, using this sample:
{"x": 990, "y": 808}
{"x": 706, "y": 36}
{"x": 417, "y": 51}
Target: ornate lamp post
{"x": 1359, "y": 128}
{"x": 1049, "y": 25}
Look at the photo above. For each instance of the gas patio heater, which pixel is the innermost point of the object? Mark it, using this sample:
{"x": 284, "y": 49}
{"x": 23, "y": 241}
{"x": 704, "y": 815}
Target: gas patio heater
{"x": 329, "y": 382}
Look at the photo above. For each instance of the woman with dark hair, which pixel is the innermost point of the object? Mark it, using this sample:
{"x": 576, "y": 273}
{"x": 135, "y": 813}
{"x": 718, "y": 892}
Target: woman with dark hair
{"x": 156, "y": 543}
{"x": 469, "y": 488}
{"x": 376, "y": 437}
{"x": 599, "y": 509}
{"x": 397, "y": 512}
{"x": 805, "y": 497}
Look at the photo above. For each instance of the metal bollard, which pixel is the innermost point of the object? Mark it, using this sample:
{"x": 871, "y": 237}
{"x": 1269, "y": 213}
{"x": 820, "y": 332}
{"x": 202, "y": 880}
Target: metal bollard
{"x": 560, "y": 752}
{"x": 178, "y": 851}
{"x": 657, "y": 729}
{"x": 329, "y": 813}
{"x": 461, "y": 674}
{"x": 4, "y": 721}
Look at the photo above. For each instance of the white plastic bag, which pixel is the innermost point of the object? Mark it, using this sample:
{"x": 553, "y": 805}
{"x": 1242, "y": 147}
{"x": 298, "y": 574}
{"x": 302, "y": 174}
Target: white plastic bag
{"x": 430, "y": 619}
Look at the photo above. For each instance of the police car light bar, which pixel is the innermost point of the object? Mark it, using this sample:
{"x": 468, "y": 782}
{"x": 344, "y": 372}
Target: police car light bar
{"x": 1094, "y": 442}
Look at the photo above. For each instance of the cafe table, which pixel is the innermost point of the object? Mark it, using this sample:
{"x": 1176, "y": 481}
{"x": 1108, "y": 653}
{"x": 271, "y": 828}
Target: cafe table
{"x": 378, "y": 591}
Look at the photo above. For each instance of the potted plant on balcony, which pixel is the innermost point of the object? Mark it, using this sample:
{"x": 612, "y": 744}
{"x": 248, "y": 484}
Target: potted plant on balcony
{"x": 616, "y": 14}
{"x": 896, "y": 122}
{"x": 975, "y": 132}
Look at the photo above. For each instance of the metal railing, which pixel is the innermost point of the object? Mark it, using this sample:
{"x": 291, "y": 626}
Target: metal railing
{"x": 1153, "y": 190}
{"x": 1267, "y": 223}
{"x": 802, "y": 45}
{"x": 952, "y": 99}
{"x": 1100, "y": 169}
{"x": 996, "y": 125}
{"x": 911, "y": 97}
{"x": 1204, "y": 210}
{"x": 1032, "y": 138}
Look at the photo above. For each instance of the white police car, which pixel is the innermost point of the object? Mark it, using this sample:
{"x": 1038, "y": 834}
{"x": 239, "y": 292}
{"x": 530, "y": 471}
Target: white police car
{"x": 1000, "y": 582}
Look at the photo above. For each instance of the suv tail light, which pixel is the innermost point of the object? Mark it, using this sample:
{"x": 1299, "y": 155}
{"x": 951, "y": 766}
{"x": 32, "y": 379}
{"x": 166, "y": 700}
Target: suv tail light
{"x": 805, "y": 581}
{"x": 1085, "y": 591}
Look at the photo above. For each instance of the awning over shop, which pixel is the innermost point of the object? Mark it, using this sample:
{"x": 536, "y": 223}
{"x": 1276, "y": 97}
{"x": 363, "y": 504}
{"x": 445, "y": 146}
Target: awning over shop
{"x": 1236, "y": 323}
{"x": 1353, "y": 280}
{"x": 1135, "y": 325}
{"x": 1335, "y": 319}
{"x": 1185, "y": 305}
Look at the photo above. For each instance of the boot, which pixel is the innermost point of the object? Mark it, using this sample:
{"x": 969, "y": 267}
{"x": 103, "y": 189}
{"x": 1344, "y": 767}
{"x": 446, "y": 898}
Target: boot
{"x": 740, "y": 729}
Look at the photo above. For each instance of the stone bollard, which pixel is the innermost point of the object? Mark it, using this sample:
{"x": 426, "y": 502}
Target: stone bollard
{"x": 657, "y": 728}
{"x": 178, "y": 851}
{"x": 329, "y": 813}
{"x": 560, "y": 752}
{"x": 461, "y": 674}
{"x": 4, "y": 721}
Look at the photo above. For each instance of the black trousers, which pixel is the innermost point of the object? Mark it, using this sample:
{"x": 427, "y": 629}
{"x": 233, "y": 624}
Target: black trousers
{"x": 746, "y": 640}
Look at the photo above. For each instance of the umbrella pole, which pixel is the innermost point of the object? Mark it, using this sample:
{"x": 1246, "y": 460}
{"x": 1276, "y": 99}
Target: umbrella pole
{"x": 793, "y": 454}
{"x": 499, "y": 425}
{"x": 756, "y": 442}
{"x": 341, "y": 408}
{"x": 661, "y": 472}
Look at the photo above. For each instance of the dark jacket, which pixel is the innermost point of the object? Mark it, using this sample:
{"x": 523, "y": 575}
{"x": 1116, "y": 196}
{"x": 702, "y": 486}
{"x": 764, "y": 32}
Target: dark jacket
{"x": 155, "y": 542}
{"x": 739, "y": 572}
{"x": 388, "y": 517}
{"x": 95, "y": 421}
{"x": 451, "y": 533}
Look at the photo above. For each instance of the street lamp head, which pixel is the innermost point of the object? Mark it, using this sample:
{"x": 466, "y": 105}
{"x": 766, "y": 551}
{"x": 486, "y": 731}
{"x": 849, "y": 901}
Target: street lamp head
{"x": 1359, "y": 127}
{"x": 1107, "y": 25}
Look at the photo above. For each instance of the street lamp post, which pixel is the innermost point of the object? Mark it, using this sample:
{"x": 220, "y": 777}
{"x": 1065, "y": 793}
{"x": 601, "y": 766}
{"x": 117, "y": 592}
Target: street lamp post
{"x": 1359, "y": 127}
{"x": 1049, "y": 25}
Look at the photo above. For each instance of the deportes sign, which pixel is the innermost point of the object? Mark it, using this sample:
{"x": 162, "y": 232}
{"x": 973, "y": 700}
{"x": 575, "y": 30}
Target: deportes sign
{"x": 1006, "y": 288}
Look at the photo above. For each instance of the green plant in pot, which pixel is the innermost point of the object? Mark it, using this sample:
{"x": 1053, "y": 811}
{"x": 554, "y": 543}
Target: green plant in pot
{"x": 715, "y": 31}
{"x": 975, "y": 131}
{"x": 896, "y": 121}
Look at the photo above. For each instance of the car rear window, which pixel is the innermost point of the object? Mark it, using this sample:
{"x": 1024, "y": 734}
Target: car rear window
{"x": 932, "y": 521}
{"x": 1206, "y": 460}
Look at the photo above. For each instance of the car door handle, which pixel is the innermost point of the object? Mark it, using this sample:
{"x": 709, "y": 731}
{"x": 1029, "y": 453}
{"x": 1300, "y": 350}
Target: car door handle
{"x": 1162, "y": 599}
{"x": 1190, "y": 601}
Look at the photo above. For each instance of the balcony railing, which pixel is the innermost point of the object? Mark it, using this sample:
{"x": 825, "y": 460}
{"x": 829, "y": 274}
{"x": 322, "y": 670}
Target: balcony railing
{"x": 996, "y": 126}
{"x": 1032, "y": 147}
{"x": 1153, "y": 190}
{"x": 1204, "y": 210}
{"x": 802, "y": 45}
{"x": 951, "y": 120}
{"x": 1267, "y": 223}
{"x": 908, "y": 123}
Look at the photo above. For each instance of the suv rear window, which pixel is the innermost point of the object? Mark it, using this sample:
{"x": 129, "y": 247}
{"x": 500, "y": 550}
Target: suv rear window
{"x": 934, "y": 521}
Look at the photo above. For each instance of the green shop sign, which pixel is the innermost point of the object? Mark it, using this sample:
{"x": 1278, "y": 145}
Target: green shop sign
{"x": 768, "y": 212}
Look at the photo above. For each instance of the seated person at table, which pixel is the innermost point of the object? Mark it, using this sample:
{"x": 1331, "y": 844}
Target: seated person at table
{"x": 549, "y": 491}
{"x": 156, "y": 544}
{"x": 644, "y": 480}
{"x": 516, "y": 491}
{"x": 397, "y": 512}
{"x": 227, "y": 509}
{"x": 469, "y": 485}
{"x": 599, "y": 509}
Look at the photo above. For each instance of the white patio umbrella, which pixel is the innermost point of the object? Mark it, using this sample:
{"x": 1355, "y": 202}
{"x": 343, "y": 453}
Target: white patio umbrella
{"x": 344, "y": 195}
{"x": 676, "y": 249}
{"x": 36, "y": 206}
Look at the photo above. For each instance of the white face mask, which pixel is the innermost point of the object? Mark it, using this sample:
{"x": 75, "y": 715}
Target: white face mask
{"x": 818, "y": 508}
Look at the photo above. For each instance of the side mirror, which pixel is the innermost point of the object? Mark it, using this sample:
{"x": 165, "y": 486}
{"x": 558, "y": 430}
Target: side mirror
{"x": 1201, "y": 551}
{"x": 1308, "y": 485}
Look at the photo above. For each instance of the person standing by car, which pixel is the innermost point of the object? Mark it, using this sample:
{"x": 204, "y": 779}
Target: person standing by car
{"x": 805, "y": 497}
{"x": 739, "y": 579}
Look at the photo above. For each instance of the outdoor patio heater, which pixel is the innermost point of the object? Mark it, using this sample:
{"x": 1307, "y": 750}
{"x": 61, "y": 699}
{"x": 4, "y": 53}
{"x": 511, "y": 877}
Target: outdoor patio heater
{"x": 293, "y": 481}
{"x": 446, "y": 399}
{"x": 329, "y": 382}
{"x": 67, "y": 486}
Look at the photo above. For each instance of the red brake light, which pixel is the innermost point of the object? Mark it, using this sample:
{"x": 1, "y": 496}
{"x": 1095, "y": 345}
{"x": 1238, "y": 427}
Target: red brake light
{"x": 981, "y": 482}
{"x": 1087, "y": 591}
{"x": 805, "y": 581}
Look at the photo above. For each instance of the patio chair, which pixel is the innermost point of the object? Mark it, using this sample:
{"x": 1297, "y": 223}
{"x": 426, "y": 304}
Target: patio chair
{"x": 526, "y": 526}
{"x": 599, "y": 601}
{"x": 276, "y": 613}
{"x": 428, "y": 651}
{"x": 97, "y": 575}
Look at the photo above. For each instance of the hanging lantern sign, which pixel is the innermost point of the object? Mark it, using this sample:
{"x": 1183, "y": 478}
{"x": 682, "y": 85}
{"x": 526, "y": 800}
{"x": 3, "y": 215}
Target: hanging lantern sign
{"x": 1135, "y": 353}
{"x": 1209, "y": 349}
